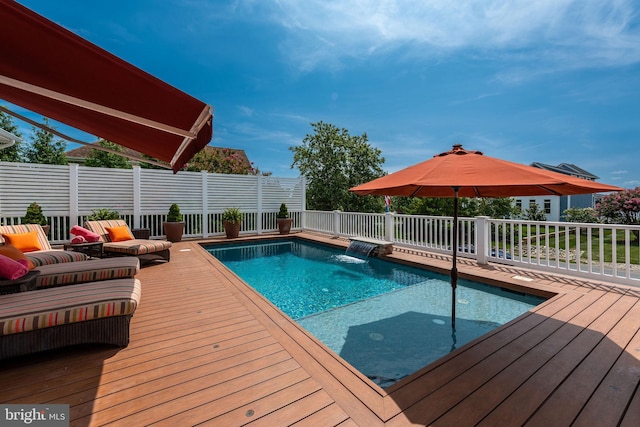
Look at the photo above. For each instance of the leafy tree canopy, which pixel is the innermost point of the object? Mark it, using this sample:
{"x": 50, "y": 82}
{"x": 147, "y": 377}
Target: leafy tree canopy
{"x": 621, "y": 208}
{"x": 44, "y": 149}
{"x": 333, "y": 161}
{"x": 583, "y": 215}
{"x": 224, "y": 160}
{"x": 533, "y": 213}
{"x": 14, "y": 152}
{"x": 105, "y": 159}
{"x": 467, "y": 207}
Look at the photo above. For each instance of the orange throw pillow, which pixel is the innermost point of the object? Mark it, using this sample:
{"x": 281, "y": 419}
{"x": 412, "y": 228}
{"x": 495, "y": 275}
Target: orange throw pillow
{"x": 25, "y": 242}
{"x": 119, "y": 234}
{"x": 13, "y": 253}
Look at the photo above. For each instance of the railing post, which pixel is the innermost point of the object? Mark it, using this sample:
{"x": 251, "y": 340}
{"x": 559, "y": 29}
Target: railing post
{"x": 388, "y": 226}
{"x": 137, "y": 195}
{"x": 73, "y": 195}
{"x": 259, "y": 210}
{"x": 303, "y": 201}
{"x": 205, "y": 203}
{"x": 336, "y": 223}
{"x": 482, "y": 239}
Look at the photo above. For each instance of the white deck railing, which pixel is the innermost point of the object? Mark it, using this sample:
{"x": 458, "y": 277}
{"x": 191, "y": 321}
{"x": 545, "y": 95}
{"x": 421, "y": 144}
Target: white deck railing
{"x": 598, "y": 251}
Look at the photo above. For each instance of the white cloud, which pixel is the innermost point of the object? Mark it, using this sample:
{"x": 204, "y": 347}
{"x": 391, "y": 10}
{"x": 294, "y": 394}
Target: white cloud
{"x": 619, "y": 172}
{"x": 562, "y": 33}
{"x": 246, "y": 110}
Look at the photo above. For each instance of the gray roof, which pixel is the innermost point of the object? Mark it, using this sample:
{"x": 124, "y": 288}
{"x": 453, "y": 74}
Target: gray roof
{"x": 567, "y": 169}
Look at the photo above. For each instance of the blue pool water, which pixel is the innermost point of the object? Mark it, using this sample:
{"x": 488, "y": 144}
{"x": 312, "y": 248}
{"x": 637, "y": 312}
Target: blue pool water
{"x": 388, "y": 320}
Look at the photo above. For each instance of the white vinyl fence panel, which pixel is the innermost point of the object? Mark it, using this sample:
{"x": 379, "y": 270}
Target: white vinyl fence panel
{"x": 68, "y": 194}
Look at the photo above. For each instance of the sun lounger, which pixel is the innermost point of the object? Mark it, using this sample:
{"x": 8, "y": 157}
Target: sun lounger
{"x": 46, "y": 319}
{"x": 145, "y": 249}
{"x": 31, "y": 239}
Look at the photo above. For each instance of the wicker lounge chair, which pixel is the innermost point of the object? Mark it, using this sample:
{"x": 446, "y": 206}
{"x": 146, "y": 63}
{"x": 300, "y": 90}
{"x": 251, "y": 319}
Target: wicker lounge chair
{"x": 144, "y": 249}
{"x": 45, "y": 254}
{"x": 46, "y": 319}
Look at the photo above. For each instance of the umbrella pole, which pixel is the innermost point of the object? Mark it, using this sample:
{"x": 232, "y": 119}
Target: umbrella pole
{"x": 454, "y": 267}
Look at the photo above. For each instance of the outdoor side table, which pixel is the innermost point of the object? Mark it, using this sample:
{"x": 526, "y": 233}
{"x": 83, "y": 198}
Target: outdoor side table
{"x": 141, "y": 233}
{"x": 91, "y": 249}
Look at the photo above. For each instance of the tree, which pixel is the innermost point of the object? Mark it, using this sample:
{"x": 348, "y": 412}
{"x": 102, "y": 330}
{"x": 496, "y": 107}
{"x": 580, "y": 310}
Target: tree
{"x": 12, "y": 153}
{"x": 334, "y": 161}
{"x": 105, "y": 159}
{"x": 621, "y": 208}
{"x": 43, "y": 149}
{"x": 534, "y": 213}
{"x": 496, "y": 208}
{"x": 469, "y": 207}
{"x": 145, "y": 165}
{"x": 583, "y": 215}
{"x": 223, "y": 160}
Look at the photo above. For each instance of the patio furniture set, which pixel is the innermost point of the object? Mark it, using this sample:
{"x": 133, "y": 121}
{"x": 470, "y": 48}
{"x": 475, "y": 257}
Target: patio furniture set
{"x": 68, "y": 297}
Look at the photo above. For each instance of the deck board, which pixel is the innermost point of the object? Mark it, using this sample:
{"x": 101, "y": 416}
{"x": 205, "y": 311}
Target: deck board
{"x": 304, "y": 399}
{"x": 586, "y": 353}
{"x": 574, "y": 337}
{"x": 205, "y": 348}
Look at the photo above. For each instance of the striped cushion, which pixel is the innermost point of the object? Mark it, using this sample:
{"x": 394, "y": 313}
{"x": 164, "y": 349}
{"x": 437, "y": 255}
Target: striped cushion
{"x": 87, "y": 271}
{"x": 100, "y": 227}
{"x": 54, "y": 256}
{"x": 137, "y": 247}
{"x": 26, "y": 228}
{"x": 27, "y": 311}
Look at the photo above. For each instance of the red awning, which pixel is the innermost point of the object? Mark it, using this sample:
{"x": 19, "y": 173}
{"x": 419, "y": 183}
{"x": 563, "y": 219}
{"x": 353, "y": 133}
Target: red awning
{"x": 52, "y": 71}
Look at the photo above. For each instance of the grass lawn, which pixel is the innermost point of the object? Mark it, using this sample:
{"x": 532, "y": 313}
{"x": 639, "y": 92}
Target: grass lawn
{"x": 608, "y": 242}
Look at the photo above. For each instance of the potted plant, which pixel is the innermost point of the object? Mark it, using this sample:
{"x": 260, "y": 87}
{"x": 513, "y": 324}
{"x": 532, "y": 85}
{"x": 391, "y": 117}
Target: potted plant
{"x": 34, "y": 215}
{"x": 283, "y": 220}
{"x": 231, "y": 220}
{"x": 174, "y": 226}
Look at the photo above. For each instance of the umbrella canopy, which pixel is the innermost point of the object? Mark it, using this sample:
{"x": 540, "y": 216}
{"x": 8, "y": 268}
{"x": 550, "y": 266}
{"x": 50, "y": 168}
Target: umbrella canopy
{"x": 466, "y": 173}
{"x": 52, "y": 71}
{"x": 477, "y": 175}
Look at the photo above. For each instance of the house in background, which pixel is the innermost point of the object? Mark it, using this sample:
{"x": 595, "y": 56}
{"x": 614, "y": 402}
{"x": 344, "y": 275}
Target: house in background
{"x": 80, "y": 154}
{"x": 554, "y": 206}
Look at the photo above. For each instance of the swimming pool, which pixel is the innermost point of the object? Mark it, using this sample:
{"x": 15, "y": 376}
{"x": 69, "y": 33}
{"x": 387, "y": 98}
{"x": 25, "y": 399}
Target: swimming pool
{"x": 387, "y": 320}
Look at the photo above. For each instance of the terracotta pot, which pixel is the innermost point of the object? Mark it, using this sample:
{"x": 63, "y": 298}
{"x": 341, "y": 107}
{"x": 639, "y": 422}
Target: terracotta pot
{"x": 46, "y": 229}
{"x": 173, "y": 231}
{"x": 232, "y": 229}
{"x": 284, "y": 225}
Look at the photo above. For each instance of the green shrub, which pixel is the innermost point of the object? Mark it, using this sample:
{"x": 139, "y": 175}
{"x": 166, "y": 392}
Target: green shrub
{"x": 103, "y": 214}
{"x": 34, "y": 215}
{"x": 174, "y": 214}
{"x": 284, "y": 212}
{"x": 232, "y": 215}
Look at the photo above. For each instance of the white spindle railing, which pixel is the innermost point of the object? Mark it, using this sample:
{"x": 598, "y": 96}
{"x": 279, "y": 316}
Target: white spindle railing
{"x": 607, "y": 251}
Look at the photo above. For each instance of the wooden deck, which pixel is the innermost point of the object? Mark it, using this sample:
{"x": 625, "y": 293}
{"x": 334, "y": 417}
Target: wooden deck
{"x": 206, "y": 349}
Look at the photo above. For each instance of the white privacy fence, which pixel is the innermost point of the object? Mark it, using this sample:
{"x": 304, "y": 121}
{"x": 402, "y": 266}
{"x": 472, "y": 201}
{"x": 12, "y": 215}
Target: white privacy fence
{"x": 68, "y": 194}
{"x": 606, "y": 251}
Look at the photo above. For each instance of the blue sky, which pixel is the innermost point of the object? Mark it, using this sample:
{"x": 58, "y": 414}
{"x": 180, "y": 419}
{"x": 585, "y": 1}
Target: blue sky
{"x": 547, "y": 81}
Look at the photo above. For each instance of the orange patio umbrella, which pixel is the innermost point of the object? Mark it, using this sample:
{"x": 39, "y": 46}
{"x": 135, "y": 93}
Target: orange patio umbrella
{"x": 466, "y": 173}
